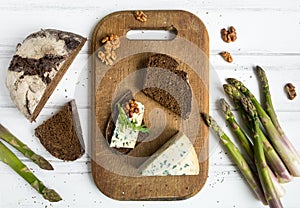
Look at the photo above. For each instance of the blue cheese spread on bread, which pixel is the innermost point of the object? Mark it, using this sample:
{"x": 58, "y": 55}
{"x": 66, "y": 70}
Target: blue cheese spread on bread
{"x": 125, "y": 136}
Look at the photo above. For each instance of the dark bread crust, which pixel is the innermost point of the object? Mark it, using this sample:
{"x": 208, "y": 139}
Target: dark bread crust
{"x": 61, "y": 134}
{"x": 71, "y": 40}
{"x": 168, "y": 85}
{"x": 163, "y": 61}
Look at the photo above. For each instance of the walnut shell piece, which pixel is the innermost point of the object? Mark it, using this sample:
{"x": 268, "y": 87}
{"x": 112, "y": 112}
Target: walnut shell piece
{"x": 291, "y": 91}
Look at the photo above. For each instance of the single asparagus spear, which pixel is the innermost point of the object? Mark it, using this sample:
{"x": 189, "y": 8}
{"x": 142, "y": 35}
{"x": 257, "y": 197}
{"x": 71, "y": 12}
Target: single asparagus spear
{"x": 273, "y": 158}
{"x": 237, "y": 157}
{"x": 240, "y": 134}
{"x": 247, "y": 145}
{"x": 269, "y": 107}
{"x": 287, "y": 154}
{"x": 267, "y": 98}
{"x": 9, "y": 158}
{"x": 260, "y": 161}
{"x": 24, "y": 149}
{"x": 279, "y": 189}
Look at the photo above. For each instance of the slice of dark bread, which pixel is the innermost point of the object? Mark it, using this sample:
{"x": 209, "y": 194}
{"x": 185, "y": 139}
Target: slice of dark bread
{"x": 37, "y": 67}
{"x": 168, "y": 85}
{"x": 61, "y": 134}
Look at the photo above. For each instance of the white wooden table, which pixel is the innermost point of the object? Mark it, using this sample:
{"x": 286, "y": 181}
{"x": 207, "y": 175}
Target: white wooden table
{"x": 268, "y": 35}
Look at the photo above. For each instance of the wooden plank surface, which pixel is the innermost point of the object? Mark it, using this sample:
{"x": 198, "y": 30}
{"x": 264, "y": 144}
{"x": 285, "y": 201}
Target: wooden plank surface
{"x": 114, "y": 174}
{"x": 278, "y": 53}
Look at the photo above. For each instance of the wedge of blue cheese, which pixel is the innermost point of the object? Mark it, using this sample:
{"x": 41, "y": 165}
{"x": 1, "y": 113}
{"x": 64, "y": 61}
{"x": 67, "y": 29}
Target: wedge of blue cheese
{"x": 127, "y": 137}
{"x": 175, "y": 157}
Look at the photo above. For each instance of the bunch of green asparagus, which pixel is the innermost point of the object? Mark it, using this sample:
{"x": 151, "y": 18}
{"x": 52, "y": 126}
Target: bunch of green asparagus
{"x": 9, "y": 158}
{"x": 270, "y": 158}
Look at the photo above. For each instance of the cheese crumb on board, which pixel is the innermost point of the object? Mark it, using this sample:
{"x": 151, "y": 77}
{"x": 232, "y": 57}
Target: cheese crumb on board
{"x": 126, "y": 137}
{"x": 176, "y": 157}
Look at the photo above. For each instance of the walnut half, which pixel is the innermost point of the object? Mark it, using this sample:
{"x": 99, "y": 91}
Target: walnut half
{"x": 140, "y": 16}
{"x": 226, "y": 56}
{"x": 228, "y": 35}
{"x": 290, "y": 89}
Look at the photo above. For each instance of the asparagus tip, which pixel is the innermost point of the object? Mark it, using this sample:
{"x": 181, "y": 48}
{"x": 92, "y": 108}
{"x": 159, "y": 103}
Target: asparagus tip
{"x": 227, "y": 89}
{"x": 225, "y": 106}
{"x": 261, "y": 73}
{"x": 41, "y": 162}
{"x": 51, "y": 195}
{"x": 258, "y": 68}
{"x": 232, "y": 91}
{"x": 228, "y": 79}
{"x": 44, "y": 164}
{"x": 248, "y": 106}
{"x": 236, "y": 83}
{"x": 231, "y": 80}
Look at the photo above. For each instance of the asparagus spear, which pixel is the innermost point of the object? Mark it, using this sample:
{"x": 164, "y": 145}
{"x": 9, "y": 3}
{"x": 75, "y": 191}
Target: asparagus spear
{"x": 273, "y": 158}
{"x": 288, "y": 155}
{"x": 267, "y": 98}
{"x": 260, "y": 161}
{"x": 9, "y": 158}
{"x": 24, "y": 149}
{"x": 269, "y": 107}
{"x": 279, "y": 189}
{"x": 246, "y": 144}
{"x": 237, "y": 157}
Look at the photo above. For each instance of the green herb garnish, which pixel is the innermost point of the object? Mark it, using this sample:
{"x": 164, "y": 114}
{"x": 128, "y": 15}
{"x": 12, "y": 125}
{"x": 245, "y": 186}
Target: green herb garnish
{"x": 126, "y": 123}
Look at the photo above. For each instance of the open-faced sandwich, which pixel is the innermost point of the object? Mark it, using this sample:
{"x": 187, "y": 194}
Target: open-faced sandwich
{"x": 125, "y": 128}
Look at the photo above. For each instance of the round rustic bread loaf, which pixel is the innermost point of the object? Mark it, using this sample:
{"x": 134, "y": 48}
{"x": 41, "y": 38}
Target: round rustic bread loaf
{"x": 37, "y": 67}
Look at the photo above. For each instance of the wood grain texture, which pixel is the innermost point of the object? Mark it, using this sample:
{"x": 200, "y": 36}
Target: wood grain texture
{"x": 116, "y": 175}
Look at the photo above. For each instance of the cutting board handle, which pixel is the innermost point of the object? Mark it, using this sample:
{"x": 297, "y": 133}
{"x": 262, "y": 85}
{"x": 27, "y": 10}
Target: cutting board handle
{"x": 152, "y": 34}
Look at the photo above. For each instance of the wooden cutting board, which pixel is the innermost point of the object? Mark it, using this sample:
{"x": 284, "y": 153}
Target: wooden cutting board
{"x": 116, "y": 174}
